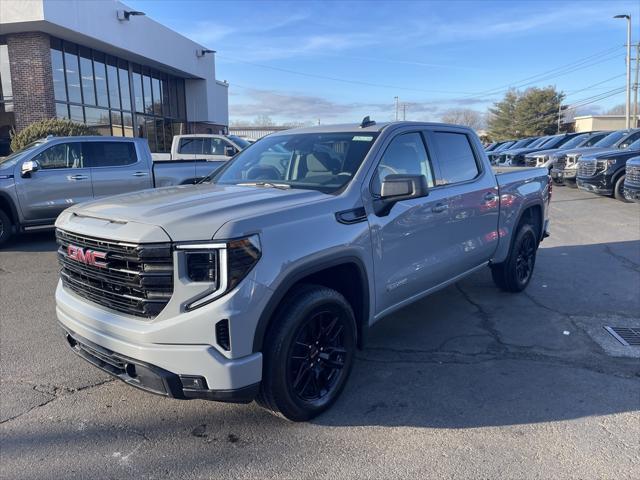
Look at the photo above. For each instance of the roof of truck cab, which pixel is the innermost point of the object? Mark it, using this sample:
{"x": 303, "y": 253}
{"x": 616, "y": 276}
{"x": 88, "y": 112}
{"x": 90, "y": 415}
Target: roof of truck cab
{"x": 355, "y": 127}
{"x": 90, "y": 137}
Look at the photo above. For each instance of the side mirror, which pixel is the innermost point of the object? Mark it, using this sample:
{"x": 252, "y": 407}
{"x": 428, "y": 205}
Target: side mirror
{"x": 29, "y": 167}
{"x": 230, "y": 151}
{"x": 399, "y": 187}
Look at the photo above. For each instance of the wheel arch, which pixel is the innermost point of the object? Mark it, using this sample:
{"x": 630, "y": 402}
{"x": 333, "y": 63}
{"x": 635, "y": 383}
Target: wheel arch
{"x": 347, "y": 275}
{"x": 8, "y": 207}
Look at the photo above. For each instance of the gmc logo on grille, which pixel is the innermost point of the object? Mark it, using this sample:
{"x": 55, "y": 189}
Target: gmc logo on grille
{"x": 88, "y": 257}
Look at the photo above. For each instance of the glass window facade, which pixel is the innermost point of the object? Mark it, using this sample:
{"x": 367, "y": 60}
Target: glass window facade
{"x": 7, "y": 116}
{"x": 117, "y": 97}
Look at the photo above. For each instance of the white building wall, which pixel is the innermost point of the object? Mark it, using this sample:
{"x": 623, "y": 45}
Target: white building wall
{"x": 94, "y": 23}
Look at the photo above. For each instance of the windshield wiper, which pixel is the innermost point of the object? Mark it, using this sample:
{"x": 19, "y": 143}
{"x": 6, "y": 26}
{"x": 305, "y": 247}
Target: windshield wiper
{"x": 280, "y": 186}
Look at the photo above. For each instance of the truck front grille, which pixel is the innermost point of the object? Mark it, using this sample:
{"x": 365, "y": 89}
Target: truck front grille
{"x": 132, "y": 279}
{"x": 633, "y": 175}
{"x": 587, "y": 168}
{"x": 560, "y": 163}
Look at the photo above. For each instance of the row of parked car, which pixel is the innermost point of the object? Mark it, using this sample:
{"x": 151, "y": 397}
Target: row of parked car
{"x": 602, "y": 162}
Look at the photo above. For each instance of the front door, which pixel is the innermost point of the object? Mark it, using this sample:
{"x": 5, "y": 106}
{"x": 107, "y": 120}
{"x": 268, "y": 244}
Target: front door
{"x": 409, "y": 241}
{"x": 116, "y": 167}
{"x": 62, "y": 181}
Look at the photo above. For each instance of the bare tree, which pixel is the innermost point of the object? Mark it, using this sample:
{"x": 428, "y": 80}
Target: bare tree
{"x": 617, "y": 110}
{"x": 464, "y": 116}
{"x": 264, "y": 121}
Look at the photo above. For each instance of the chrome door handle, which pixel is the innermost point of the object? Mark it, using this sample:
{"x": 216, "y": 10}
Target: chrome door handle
{"x": 441, "y": 207}
{"x": 140, "y": 174}
{"x": 78, "y": 177}
{"x": 490, "y": 197}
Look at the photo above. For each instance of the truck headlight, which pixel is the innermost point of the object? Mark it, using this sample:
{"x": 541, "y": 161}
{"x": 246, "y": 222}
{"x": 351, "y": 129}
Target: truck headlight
{"x": 221, "y": 265}
{"x": 604, "y": 164}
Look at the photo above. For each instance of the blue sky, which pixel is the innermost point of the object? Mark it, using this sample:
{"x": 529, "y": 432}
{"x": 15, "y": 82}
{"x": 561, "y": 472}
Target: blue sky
{"x": 337, "y": 61}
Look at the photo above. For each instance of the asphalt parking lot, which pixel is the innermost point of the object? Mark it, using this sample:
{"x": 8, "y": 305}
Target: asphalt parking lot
{"x": 469, "y": 383}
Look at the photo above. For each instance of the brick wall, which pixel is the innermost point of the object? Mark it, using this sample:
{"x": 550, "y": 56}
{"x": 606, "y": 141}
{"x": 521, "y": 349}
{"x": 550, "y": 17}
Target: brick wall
{"x": 31, "y": 78}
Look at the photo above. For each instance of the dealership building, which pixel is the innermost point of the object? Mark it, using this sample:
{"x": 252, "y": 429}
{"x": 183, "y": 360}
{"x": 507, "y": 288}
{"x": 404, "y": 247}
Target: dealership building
{"x": 101, "y": 63}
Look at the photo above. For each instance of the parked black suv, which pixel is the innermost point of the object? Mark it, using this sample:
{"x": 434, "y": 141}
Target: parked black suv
{"x": 632, "y": 180}
{"x": 604, "y": 173}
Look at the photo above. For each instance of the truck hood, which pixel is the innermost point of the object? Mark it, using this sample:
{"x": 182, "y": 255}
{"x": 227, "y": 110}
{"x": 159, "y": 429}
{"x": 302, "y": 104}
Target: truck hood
{"x": 586, "y": 150}
{"x": 6, "y": 169}
{"x": 192, "y": 212}
{"x": 613, "y": 154}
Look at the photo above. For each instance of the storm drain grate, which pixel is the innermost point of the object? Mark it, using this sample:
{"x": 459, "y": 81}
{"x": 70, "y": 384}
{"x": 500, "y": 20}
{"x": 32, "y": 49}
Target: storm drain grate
{"x": 629, "y": 337}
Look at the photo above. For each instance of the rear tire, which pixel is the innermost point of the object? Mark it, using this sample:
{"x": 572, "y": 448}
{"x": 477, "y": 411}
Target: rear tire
{"x": 618, "y": 190}
{"x": 308, "y": 353}
{"x": 514, "y": 274}
{"x": 6, "y": 227}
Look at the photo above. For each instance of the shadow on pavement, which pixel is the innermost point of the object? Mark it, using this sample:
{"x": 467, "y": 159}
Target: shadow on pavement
{"x": 41, "y": 241}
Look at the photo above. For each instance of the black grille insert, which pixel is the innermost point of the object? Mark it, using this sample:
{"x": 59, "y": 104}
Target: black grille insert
{"x": 222, "y": 335}
{"x": 133, "y": 279}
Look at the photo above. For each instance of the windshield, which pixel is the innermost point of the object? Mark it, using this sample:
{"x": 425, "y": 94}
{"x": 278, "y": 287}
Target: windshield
{"x": 539, "y": 142}
{"x": 522, "y": 143}
{"x": 504, "y": 146}
{"x": 575, "y": 141}
{"x": 17, "y": 154}
{"x": 313, "y": 161}
{"x": 553, "y": 141}
{"x": 611, "y": 139}
{"x": 241, "y": 142}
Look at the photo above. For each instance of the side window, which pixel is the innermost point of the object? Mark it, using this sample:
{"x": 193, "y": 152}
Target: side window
{"x": 63, "y": 155}
{"x": 191, "y": 146}
{"x": 630, "y": 139}
{"x": 455, "y": 158}
{"x": 217, "y": 146}
{"x": 109, "y": 154}
{"x": 405, "y": 154}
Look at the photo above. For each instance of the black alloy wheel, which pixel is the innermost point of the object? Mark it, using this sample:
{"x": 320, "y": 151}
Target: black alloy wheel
{"x": 308, "y": 353}
{"x": 317, "y": 356}
{"x": 525, "y": 258}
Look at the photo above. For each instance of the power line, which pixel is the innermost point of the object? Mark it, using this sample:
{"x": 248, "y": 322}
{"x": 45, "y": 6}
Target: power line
{"x": 590, "y": 87}
{"x": 338, "y": 79}
{"x": 573, "y": 64}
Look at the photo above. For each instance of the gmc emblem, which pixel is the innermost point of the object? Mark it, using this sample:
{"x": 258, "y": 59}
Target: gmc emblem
{"x": 88, "y": 257}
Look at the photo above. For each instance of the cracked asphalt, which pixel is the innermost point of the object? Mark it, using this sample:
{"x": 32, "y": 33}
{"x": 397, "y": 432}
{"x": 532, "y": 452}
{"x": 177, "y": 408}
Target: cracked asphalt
{"x": 468, "y": 383}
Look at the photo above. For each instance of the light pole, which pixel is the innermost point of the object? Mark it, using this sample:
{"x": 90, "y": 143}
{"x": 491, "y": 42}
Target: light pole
{"x": 628, "y": 17}
{"x": 396, "y": 99}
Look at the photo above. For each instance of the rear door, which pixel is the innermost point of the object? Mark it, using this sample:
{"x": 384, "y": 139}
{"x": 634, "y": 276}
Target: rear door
{"x": 470, "y": 193}
{"x": 62, "y": 181}
{"x": 116, "y": 167}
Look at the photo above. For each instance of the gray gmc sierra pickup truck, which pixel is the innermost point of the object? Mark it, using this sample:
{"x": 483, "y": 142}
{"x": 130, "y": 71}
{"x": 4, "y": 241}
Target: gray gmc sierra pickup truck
{"x": 49, "y": 175}
{"x": 263, "y": 280}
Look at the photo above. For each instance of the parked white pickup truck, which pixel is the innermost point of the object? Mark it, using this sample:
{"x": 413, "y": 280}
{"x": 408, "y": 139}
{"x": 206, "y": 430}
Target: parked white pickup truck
{"x": 203, "y": 147}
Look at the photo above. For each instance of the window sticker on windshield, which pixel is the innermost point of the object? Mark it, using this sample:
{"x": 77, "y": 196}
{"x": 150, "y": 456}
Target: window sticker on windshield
{"x": 362, "y": 138}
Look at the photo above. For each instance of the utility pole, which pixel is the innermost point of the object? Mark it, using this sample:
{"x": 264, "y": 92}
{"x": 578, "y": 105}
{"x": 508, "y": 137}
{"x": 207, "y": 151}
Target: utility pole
{"x": 559, "y": 115}
{"x": 404, "y": 111}
{"x": 628, "y": 111}
{"x": 635, "y": 88}
{"x": 396, "y": 99}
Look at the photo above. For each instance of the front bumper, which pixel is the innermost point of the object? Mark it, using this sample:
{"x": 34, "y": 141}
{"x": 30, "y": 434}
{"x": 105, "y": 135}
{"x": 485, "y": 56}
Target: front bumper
{"x": 173, "y": 348}
{"x": 152, "y": 378}
{"x": 560, "y": 176}
{"x": 632, "y": 193}
{"x": 594, "y": 185}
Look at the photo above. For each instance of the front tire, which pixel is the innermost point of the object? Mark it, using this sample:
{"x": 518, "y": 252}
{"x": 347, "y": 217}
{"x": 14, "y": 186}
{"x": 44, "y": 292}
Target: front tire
{"x": 308, "y": 353}
{"x": 6, "y": 227}
{"x": 514, "y": 274}
{"x": 618, "y": 190}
